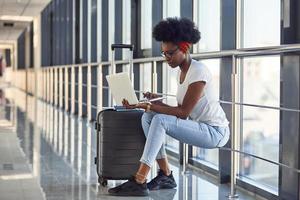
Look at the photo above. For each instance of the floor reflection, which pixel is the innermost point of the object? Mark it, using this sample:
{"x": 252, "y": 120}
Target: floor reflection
{"x": 60, "y": 150}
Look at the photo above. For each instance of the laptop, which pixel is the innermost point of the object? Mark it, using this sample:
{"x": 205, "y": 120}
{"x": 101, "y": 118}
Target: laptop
{"x": 121, "y": 88}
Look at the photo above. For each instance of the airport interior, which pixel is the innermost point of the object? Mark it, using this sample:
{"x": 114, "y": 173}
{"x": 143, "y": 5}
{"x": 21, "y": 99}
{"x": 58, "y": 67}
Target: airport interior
{"x": 55, "y": 56}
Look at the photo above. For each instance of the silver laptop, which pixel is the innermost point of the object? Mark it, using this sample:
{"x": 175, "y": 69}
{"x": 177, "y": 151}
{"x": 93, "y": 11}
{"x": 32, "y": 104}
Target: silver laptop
{"x": 121, "y": 88}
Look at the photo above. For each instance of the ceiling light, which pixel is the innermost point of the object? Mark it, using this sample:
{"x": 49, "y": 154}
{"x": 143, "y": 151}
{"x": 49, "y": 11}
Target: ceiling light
{"x": 16, "y": 18}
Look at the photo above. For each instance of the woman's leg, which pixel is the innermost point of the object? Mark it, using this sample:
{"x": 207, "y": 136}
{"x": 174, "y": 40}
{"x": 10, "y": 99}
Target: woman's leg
{"x": 146, "y": 121}
{"x": 161, "y": 157}
{"x": 187, "y": 131}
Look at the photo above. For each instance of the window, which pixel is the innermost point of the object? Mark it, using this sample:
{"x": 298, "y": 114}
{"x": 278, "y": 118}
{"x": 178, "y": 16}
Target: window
{"x": 111, "y": 24}
{"x": 126, "y": 32}
{"x": 260, "y": 84}
{"x": 254, "y": 32}
{"x": 171, "y": 8}
{"x": 170, "y": 87}
{"x": 207, "y": 18}
{"x": 146, "y": 24}
{"x": 145, "y": 78}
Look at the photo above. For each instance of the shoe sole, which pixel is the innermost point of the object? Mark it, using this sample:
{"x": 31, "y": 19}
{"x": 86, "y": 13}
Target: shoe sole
{"x": 125, "y": 194}
{"x": 164, "y": 187}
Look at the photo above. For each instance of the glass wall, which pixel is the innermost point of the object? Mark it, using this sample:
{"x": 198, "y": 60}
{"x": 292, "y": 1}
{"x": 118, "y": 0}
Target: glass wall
{"x": 111, "y": 27}
{"x": 259, "y": 81}
{"x": 260, "y": 126}
{"x": 146, "y": 24}
{"x": 260, "y": 84}
{"x": 126, "y": 35}
{"x": 171, "y": 8}
{"x": 263, "y": 27}
{"x": 170, "y": 87}
{"x": 210, "y": 41}
{"x": 207, "y": 18}
{"x": 145, "y": 78}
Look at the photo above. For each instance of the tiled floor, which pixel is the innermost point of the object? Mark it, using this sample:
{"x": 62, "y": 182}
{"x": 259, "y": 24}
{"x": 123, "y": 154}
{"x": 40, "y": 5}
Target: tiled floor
{"x": 48, "y": 154}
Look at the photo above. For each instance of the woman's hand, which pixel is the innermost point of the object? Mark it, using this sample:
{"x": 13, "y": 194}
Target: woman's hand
{"x": 150, "y": 95}
{"x": 132, "y": 106}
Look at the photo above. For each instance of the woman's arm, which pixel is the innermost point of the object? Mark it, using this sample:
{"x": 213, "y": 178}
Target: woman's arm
{"x": 193, "y": 94}
{"x": 150, "y": 96}
{"x": 160, "y": 103}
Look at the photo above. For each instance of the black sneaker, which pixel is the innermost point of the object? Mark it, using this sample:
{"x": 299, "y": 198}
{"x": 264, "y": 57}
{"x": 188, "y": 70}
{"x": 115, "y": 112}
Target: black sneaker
{"x": 162, "y": 181}
{"x": 130, "y": 188}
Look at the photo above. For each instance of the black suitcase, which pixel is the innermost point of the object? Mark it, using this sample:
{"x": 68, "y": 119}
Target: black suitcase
{"x": 120, "y": 144}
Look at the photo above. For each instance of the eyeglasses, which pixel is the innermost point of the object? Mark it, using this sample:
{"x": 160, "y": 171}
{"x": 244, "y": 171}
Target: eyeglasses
{"x": 169, "y": 54}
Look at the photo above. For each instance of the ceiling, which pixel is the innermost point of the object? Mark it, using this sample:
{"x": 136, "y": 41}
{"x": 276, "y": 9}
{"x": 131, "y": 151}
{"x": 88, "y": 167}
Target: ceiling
{"x": 19, "y": 13}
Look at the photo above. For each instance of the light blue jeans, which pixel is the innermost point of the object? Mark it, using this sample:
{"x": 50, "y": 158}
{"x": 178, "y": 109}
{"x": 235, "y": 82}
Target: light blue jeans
{"x": 156, "y": 126}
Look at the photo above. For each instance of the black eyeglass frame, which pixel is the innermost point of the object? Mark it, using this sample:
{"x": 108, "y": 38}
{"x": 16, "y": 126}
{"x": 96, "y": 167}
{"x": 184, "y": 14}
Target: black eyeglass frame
{"x": 169, "y": 54}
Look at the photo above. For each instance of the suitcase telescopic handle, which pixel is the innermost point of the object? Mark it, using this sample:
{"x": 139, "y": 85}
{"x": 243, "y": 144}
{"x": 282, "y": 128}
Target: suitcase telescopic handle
{"x": 122, "y": 46}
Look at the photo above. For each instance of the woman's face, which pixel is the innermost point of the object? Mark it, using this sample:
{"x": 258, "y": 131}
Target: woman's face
{"x": 172, "y": 54}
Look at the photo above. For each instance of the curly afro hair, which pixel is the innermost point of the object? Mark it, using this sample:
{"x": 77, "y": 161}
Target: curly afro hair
{"x": 176, "y": 30}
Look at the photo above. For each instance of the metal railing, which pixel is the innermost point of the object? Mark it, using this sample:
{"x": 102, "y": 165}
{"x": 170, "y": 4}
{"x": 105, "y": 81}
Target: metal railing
{"x": 51, "y": 75}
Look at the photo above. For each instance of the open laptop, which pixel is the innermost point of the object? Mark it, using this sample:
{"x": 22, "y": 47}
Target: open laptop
{"x": 121, "y": 88}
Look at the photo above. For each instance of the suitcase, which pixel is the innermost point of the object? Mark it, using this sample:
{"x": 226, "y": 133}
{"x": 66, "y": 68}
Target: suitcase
{"x": 120, "y": 144}
{"x": 120, "y": 137}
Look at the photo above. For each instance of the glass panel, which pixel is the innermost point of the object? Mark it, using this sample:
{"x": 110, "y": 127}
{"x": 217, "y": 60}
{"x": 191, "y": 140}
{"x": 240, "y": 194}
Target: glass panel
{"x": 260, "y": 126}
{"x": 210, "y": 155}
{"x": 126, "y": 29}
{"x": 111, "y": 27}
{"x": 254, "y": 31}
{"x": 170, "y": 87}
{"x": 145, "y": 78}
{"x": 171, "y": 8}
{"x": 126, "y": 26}
{"x": 207, "y": 18}
{"x": 146, "y": 24}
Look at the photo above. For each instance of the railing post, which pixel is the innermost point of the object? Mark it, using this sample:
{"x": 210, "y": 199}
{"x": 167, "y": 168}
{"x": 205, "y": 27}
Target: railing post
{"x": 56, "y": 86}
{"x": 89, "y": 90}
{"x": 46, "y": 84}
{"x": 99, "y": 88}
{"x": 112, "y": 71}
{"x": 80, "y": 91}
{"x": 233, "y": 194}
{"x": 185, "y": 158}
{"x": 154, "y": 90}
{"x": 60, "y": 94}
{"x": 47, "y": 92}
{"x": 131, "y": 71}
{"x": 66, "y": 89}
{"x": 73, "y": 90}
{"x": 52, "y": 86}
{"x": 154, "y": 77}
{"x": 44, "y": 79}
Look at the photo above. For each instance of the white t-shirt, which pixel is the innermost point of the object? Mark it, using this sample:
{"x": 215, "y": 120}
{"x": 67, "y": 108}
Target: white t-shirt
{"x": 207, "y": 109}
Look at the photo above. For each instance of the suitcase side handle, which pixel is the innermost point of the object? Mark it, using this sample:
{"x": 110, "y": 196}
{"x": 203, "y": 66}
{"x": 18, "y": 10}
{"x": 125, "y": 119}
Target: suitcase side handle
{"x": 122, "y": 46}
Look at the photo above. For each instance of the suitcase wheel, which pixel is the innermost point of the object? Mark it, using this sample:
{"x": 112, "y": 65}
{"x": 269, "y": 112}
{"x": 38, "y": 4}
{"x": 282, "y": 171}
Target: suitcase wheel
{"x": 102, "y": 181}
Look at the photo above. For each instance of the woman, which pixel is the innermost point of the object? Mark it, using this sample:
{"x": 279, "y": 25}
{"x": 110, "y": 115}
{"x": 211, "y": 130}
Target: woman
{"x": 207, "y": 126}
